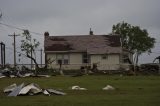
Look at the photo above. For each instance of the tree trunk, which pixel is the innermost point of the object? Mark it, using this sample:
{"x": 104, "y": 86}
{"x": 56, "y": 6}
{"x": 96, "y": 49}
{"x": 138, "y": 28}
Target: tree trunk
{"x": 134, "y": 62}
{"x": 136, "y": 59}
{"x": 34, "y": 60}
{"x": 60, "y": 68}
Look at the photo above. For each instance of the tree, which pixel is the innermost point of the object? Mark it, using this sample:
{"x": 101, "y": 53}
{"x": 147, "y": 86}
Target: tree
{"x": 29, "y": 46}
{"x": 134, "y": 39}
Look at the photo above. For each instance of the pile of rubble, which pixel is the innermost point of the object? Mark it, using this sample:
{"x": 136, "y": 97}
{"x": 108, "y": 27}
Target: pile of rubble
{"x": 149, "y": 69}
{"x": 29, "y": 89}
{"x": 17, "y": 73}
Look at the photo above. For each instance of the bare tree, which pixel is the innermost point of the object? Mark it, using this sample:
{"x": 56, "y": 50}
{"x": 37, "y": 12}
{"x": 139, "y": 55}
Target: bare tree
{"x": 29, "y": 46}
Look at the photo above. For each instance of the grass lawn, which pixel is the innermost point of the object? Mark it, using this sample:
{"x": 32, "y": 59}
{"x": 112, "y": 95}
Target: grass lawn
{"x": 130, "y": 91}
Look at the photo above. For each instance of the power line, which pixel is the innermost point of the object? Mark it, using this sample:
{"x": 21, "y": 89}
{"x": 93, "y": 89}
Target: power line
{"x": 24, "y": 55}
{"x": 14, "y": 27}
{"x": 16, "y": 51}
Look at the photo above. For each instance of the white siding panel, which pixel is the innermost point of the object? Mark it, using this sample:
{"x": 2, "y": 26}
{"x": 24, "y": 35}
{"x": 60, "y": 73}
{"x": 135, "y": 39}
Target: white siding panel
{"x": 110, "y": 63}
{"x": 112, "y": 59}
{"x": 75, "y": 58}
{"x": 75, "y": 61}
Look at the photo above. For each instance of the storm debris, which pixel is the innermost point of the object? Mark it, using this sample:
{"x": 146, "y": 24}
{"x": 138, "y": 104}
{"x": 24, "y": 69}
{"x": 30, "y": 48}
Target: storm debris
{"x": 29, "y": 89}
{"x": 10, "y": 88}
{"x": 76, "y": 87}
{"x": 16, "y": 90}
{"x": 108, "y": 87}
{"x": 52, "y": 91}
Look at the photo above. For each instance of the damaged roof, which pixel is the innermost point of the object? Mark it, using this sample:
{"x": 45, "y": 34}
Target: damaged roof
{"x": 92, "y": 44}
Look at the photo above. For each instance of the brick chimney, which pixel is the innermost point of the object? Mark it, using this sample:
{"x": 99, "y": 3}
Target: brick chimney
{"x": 90, "y": 32}
{"x": 46, "y": 34}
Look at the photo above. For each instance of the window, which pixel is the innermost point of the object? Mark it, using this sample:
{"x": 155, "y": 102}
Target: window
{"x": 62, "y": 58}
{"x": 85, "y": 58}
{"x": 59, "y": 61}
{"x": 66, "y": 59}
{"x": 104, "y": 56}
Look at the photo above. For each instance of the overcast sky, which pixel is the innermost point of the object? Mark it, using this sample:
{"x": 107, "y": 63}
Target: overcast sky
{"x": 74, "y": 17}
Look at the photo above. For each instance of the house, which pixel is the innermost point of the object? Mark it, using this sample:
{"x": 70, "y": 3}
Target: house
{"x": 75, "y": 51}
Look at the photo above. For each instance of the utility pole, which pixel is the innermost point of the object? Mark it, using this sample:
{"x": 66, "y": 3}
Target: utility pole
{"x": 41, "y": 57}
{"x": 14, "y": 37}
{"x": 2, "y": 54}
{"x": 31, "y": 60}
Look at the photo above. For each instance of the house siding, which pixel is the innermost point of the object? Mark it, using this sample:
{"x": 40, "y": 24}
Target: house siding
{"x": 110, "y": 63}
{"x": 111, "y": 59}
{"x": 52, "y": 57}
{"x": 75, "y": 58}
{"x": 75, "y": 61}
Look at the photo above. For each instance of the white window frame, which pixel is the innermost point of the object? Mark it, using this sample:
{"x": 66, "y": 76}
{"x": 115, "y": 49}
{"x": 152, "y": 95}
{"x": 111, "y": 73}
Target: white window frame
{"x": 63, "y": 57}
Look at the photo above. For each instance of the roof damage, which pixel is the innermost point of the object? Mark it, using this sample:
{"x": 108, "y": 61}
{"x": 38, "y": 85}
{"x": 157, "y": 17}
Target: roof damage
{"x": 92, "y": 44}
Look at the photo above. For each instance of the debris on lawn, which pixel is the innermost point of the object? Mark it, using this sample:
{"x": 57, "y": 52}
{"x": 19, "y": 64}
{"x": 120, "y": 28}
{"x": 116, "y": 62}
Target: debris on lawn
{"x": 45, "y": 92}
{"x": 2, "y": 76}
{"x": 16, "y": 90}
{"x": 149, "y": 69}
{"x": 52, "y": 91}
{"x": 108, "y": 87}
{"x": 29, "y": 89}
{"x": 76, "y": 87}
{"x": 14, "y": 73}
{"x": 11, "y": 73}
{"x": 10, "y": 88}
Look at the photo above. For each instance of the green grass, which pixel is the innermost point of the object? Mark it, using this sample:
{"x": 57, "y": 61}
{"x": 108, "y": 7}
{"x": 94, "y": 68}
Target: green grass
{"x": 130, "y": 91}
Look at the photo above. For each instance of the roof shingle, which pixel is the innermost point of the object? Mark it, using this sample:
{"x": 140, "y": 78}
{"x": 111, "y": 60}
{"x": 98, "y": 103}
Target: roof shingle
{"x": 93, "y": 44}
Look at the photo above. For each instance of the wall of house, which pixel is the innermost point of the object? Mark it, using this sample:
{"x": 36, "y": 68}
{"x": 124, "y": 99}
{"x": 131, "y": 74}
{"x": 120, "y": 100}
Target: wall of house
{"x": 110, "y": 59}
{"x": 111, "y": 62}
{"x": 75, "y": 61}
{"x": 75, "y": 58}
{"x": 52, "y": 57}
